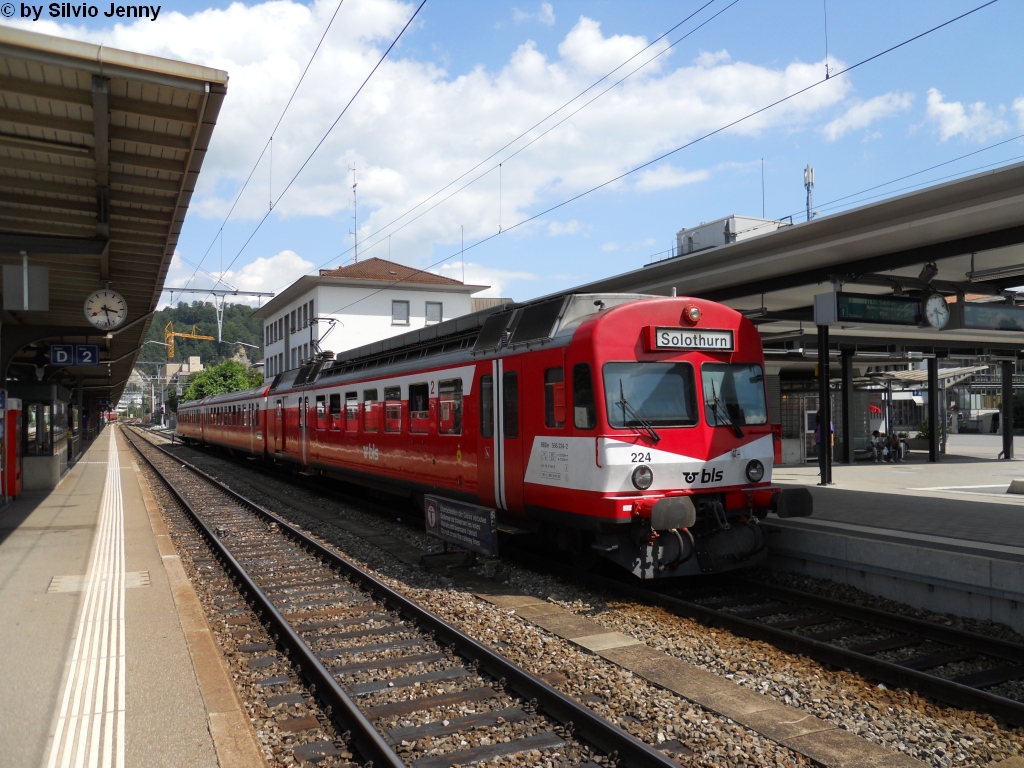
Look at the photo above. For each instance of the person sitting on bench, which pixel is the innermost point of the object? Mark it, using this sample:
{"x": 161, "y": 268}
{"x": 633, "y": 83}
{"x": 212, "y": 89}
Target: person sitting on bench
{"x": 895, "y": 446}
{"x": 877, "y": 446}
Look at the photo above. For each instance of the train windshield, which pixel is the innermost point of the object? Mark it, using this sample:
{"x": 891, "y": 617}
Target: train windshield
{"x": 733, "y": 394}
{"x": 650, "y": 394}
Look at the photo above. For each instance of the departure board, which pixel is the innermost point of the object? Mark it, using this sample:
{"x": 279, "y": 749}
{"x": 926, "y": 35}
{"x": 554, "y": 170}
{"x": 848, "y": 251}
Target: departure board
{"x": 839, "y": 307}
{"x": 993, "y": 317}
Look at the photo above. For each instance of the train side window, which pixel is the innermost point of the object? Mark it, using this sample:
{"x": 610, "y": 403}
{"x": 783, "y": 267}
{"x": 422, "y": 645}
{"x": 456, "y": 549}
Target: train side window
{"x": 487, "y": 406}
{"x": 392, "y": 409}
{"x": 510, "y": 404}
{"x": 336, "y": 411}
{"x": 583, "y": 408}
{"x": 449, "y": 412}
{"x": 351, "y": 411}
{"x": 419, "y": 407}
{"x": 371, "y": 411}
{"x": 554, "y": 397}
{"x": 321, "y": 412}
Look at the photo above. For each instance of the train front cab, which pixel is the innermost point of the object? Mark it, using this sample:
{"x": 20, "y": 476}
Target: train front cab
{"x": 662, "y": 457}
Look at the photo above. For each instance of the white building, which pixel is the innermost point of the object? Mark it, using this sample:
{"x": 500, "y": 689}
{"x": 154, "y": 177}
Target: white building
{"x": 358, "y": 304}
{"x": 731, "y": 229}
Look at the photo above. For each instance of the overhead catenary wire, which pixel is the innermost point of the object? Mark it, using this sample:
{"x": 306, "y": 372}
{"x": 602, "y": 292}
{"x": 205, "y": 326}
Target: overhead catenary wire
{"x": 326, "y": 135}
{"x": 537, "y": 125}
{"x": 269, "y": 143}
{"x": 671, "y": 152}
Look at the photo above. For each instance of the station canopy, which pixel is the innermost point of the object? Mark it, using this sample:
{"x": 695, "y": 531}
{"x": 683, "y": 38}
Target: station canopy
{"x": 963, "y": 239}
{"x": 100, "y": 151}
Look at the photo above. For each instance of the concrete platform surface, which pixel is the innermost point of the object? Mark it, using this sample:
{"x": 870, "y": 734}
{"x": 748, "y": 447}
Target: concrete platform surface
{"x": 96, "y": 668}
{"x": 943, "y": 536}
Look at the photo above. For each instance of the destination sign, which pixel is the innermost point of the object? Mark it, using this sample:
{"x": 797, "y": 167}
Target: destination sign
{"x": 839, "y": 307}
{"x": 691, "y": 338}
{"x": 993, "y": 317}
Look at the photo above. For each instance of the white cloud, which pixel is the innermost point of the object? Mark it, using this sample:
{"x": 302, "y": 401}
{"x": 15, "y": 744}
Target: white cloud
{"x": 481, "y": 274}
{"x": 546, "y": 14}
{"x": 415, "y": 127}
{"x": 609, "y": 247}
{"x": 863, "y": 113}
{"x": 1018, "y": 107}
{"x": 707, "y": 59}
{"x": 975, "y": 122}
{"x": 668, "y": 177}
{"x": 570, "y": 227}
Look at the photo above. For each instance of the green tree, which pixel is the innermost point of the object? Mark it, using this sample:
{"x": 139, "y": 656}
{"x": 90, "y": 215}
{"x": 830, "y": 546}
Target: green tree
{"x": 229, "y": 376}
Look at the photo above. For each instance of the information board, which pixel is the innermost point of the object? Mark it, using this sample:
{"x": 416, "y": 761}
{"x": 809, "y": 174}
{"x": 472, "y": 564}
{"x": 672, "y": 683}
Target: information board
{"x": 993, "y": 317}
{"x": 466, "y": 525}
{"x": 64, "y": 355}
{"x": 840, "y": 307}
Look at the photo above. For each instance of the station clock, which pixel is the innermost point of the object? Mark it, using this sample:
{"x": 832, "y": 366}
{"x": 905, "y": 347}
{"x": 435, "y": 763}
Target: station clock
{"x": 936, "y": 311}
{"x": 106, "y": 309}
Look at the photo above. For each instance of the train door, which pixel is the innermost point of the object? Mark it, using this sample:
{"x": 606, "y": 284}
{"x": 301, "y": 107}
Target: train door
{"x": 510, "y": 463}
{"x": 304, "y": 429}
{"x": 279, "y": 426}
{"x": 487, "y": 459}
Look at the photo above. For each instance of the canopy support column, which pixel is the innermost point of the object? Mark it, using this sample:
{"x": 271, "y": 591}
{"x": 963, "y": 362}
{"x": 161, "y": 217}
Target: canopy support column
{"x": 1006, "y": 417}
{"x": 846, "y": 361}
{"x": 824, "y": 409}
{"x": 933, "y": 409}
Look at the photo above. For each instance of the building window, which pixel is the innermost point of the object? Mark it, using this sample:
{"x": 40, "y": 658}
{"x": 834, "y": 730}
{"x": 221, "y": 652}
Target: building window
{"x": 435, "y": 312}
{"x": 293, "y": 320}
{"x": 305, "y": 315}
{"x": 312, "y": 314}
{"x": 399, "y": 312}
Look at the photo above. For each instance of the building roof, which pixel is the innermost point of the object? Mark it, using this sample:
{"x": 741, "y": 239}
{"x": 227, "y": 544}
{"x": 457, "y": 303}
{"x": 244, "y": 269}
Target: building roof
{"x": 382, "y": 269}
{"x": 100, "y": 151}
{"x": 374, "y": 275}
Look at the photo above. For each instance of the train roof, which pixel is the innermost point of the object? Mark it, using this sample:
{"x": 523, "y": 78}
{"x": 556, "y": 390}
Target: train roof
{"x": 489, "y": 331}
{"x": 227, "y": 397}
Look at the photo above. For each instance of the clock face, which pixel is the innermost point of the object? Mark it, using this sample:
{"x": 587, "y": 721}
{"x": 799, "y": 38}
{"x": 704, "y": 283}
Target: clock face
{"x": 106, "y": 308}
{"x": 936, "y": 311}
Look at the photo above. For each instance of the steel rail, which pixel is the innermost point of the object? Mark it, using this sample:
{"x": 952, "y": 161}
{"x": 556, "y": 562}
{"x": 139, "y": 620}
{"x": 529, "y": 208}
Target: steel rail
{"x": 367, "y": 739}
{"x": 983, "y": 644}
{"x": 584, "y": 722}
{"x": 943, "y": 690}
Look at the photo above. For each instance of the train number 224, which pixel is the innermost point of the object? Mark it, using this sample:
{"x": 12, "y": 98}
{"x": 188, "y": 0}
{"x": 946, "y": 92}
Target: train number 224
{"x": 636, "y": 458}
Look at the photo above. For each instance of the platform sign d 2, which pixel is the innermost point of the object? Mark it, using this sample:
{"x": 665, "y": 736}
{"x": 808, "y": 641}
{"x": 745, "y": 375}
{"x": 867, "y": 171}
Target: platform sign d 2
{"x": 63, "y": 355}
{"x": 466, "y": 525}
{"x": 87, "y": 354}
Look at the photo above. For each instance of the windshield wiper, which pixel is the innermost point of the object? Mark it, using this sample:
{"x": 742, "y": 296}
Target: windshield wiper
{"x": 722, "y": 412}
{"x": 647, "y": 426}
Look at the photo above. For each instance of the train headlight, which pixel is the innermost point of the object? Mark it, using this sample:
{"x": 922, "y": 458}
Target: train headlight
{"x": 755, "y": 471}
{"x": 693, "y": 314}
{"x": 642, "y": 477}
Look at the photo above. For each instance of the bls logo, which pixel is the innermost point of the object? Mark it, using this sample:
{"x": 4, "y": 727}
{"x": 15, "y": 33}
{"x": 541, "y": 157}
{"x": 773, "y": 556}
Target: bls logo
{"x": 706, "y": 476}
{"x": 371, "y": 452}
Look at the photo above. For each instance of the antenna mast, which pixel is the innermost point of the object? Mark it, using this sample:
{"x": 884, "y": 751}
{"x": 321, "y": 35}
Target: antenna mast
{"x": 809, "y": 185}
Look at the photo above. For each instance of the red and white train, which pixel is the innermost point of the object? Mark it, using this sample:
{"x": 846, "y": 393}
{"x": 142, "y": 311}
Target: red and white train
{"x": 630, "y": 427}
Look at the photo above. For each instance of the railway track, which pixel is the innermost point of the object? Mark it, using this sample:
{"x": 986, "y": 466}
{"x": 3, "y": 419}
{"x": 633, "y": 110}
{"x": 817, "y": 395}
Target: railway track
{"x": 953, "y": 666}
{"x": 404, "y": 684}
{"x": 956, "y": 667}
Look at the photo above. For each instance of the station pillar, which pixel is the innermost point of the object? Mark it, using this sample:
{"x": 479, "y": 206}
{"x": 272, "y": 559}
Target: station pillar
{"x": 824, "y": 424}
{"x": 1006, "y": 417}
{"x": 933, "y": 409}
{"x": 846, "y": 361}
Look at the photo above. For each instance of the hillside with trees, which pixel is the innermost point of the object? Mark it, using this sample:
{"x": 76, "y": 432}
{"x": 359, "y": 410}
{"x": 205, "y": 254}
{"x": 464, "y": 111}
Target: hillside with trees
{"x": 239, "y": 325}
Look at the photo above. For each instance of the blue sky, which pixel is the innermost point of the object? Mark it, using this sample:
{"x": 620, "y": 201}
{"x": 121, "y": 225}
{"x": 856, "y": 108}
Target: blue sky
{"x": 469, "y": 76}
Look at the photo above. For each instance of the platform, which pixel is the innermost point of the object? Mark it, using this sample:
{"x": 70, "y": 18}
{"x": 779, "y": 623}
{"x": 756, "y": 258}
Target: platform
{"x": 945, "y": 536}
{"x": 105, "y": 659}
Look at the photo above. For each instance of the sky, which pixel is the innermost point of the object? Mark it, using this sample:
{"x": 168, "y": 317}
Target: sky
{"x": 471, "y": 85}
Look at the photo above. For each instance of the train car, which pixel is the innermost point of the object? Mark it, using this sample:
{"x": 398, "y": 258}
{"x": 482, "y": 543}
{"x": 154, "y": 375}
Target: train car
{"x": 629, "y": 427}
{"x": 235, "y": 421}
